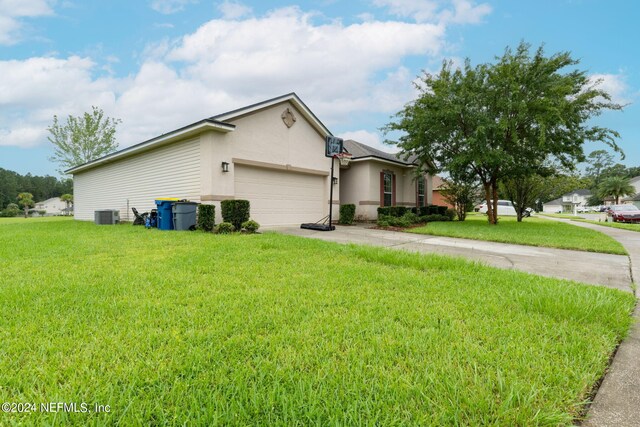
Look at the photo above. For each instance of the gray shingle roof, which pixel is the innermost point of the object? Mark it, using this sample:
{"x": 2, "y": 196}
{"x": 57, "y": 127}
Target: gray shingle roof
{"x": 361, "y": 151}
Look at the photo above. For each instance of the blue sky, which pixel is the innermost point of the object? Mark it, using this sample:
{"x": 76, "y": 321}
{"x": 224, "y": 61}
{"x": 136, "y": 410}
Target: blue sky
{"x": 162, "y": 64}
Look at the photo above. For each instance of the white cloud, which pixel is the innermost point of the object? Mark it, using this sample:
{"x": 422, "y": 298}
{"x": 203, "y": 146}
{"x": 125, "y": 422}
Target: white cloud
{"x": 339, "y": 70}
{"x": 615, "y": 85}
{"x": 233, "y": 10}
{"x": 168, "y": 7}
{"x": 463, "y": 12}
{"x": 372, "y": 139}
{"x": 12, "y": 13}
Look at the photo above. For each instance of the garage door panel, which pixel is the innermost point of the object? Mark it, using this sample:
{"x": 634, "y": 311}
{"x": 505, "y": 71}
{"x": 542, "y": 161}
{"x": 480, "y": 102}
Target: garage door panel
{"x": 280, "y": 197}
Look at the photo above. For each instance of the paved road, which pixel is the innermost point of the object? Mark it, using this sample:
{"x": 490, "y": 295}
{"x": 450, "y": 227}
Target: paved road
{"x": 617, "y": 402}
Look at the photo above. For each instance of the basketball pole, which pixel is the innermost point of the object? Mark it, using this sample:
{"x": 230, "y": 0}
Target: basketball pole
{"x": 331, "y": 227}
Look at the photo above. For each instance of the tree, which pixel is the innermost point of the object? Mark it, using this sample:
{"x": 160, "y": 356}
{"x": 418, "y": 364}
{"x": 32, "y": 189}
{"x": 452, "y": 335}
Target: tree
{"x": 616, "y": 187}
{"x": 82, "y": 139}
{"x": 497, "y": 118}
{"x": 26, "y": 201}
{"x": 461, "y": 191}
{"x": 523, "y": 191}
{"x": 598, "y": 160}
{"x": 67, "y": 199}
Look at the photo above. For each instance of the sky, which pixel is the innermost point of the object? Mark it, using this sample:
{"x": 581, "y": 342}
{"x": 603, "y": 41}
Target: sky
{"x": 162, "y": 64}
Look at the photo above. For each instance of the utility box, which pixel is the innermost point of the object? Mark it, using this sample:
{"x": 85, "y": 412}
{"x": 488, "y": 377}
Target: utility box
{"x": 184, "y": 215}
{"x": 106, "y": 217}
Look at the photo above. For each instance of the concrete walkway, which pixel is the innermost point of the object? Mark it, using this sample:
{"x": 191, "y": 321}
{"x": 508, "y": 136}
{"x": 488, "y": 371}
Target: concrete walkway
{"x": 617, "y": 402}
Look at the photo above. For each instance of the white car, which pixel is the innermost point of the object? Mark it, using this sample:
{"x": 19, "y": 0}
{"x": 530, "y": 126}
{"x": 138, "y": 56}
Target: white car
{"x": 505, "y": 207}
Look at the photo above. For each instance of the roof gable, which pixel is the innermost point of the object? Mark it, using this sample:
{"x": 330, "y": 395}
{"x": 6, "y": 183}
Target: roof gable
{"x": 290, "y": 97}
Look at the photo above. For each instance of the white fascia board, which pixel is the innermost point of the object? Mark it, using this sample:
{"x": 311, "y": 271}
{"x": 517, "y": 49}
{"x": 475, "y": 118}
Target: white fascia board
{"x": 155, "y": 142}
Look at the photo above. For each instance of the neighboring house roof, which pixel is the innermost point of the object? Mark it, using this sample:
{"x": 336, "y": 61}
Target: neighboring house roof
{"x": 437, "y": 182}
{"x": 50, "y": 200}
{"x": 634, "y": 198}
{"x": 362, "y": 151}
{"x": 557, "y": 201}
{"x": 216, "y": 123}
{"x": 581, "y": 192}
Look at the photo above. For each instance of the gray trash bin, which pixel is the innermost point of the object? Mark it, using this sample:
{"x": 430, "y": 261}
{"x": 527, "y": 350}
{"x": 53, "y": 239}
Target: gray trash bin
{"x": 184, "y": 215}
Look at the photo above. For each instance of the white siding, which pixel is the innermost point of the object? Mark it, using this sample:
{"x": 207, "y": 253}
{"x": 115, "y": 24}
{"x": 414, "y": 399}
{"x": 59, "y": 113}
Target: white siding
{"x": 170, "y": 171}
{"x": 281, "y": 197}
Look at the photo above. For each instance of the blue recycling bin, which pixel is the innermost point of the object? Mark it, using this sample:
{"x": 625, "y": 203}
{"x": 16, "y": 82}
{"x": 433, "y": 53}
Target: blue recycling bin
{"x": 165, "y": 216}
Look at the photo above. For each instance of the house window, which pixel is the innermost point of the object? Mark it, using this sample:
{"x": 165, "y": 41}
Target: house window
{"x": 420, "y": 198}
{"x": 388, "y": 189}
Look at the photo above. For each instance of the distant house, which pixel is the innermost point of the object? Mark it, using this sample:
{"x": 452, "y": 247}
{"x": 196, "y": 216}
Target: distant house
{"x": 438, "y": 198}
{"x": 568, "y": 202}
{"x": 376, "y": 178}
{"x": 635, "y": 199}
{"x": 53, "y": 206}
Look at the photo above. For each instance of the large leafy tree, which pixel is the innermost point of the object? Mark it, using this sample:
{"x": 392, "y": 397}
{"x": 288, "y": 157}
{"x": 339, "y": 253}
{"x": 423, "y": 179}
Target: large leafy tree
{"x": 598, "y": 161}
{"x": 616, "y": 187}
{"x": 82, "y": 139}
{"x": 503, "y": 119}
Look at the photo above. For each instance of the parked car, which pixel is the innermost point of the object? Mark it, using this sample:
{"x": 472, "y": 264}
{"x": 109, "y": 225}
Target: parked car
{"x": 624, "y": 213}
{"x": 505, "y": 207}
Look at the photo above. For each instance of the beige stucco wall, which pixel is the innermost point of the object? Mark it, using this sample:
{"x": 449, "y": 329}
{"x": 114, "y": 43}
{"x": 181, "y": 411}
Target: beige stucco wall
{"x": 262, "y": 139}
{"x": 360, "y": 185}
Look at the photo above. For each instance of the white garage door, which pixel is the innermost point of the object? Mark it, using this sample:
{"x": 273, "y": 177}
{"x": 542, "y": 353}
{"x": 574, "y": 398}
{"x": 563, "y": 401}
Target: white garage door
{"x": 281, "y": 197}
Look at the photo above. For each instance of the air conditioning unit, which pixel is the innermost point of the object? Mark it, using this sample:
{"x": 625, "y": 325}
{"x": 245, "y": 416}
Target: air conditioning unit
{"x": 106, "y": 217}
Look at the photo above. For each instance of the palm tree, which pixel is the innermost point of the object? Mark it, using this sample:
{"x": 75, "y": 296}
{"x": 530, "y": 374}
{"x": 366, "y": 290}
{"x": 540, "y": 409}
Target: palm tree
{"x": 67, "y": 199}
{"x": 26, "y": 201}
{"x": 616, "y": 186}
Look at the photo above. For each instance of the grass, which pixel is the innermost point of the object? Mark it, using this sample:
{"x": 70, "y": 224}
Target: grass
{"x": 531, "y": 231}
{"x": 621, "y": 225}
{"x": 185, "y": 328}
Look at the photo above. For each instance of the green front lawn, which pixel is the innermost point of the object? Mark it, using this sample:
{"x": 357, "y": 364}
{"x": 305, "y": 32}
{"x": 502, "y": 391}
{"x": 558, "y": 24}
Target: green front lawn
{"x": 531, "y": 231}
{"x": 190, "y": 328}
{"x": 621, "y": 225}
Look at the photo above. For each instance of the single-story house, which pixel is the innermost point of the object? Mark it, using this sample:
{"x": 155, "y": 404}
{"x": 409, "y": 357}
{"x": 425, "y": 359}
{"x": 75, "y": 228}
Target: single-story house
{"x": 569, "y": 202}
{"x": 376, "y": 178}
{"x": 271, "y": 153}
{"x": 52, "y": 206}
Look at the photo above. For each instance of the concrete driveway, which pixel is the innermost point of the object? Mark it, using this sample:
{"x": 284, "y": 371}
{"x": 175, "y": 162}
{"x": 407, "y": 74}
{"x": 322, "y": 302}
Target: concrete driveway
{"x": 597, "y": 269}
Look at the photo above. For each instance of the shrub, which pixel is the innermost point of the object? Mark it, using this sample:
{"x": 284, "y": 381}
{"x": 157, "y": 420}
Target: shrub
{"x": 431, "y": 210}
{"x": 441, "y": 210}
{"x": 206, "y": 217}
{"x": 451, "y": 213}
{"x": 250, "y": 226}
{"x": 384, "y": 211}
{"x": 224, "y": 228}
{"x": 434, "y": 217}
{"x": 398, "y": 211}
{"x": 235, "y": 211}
{"x": 411, "y": 217}
{"x": 347, "y": 212}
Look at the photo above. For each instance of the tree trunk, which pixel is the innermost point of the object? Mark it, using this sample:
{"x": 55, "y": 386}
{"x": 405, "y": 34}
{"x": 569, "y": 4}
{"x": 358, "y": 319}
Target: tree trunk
{"x": 26, "y": 212}
{"x": 494, "y": 185}
{"x": 487, "y": 194}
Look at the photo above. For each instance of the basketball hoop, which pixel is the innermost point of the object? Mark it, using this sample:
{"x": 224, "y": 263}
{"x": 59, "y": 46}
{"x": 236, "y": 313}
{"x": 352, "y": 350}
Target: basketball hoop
{"x": 344, "y": 158}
